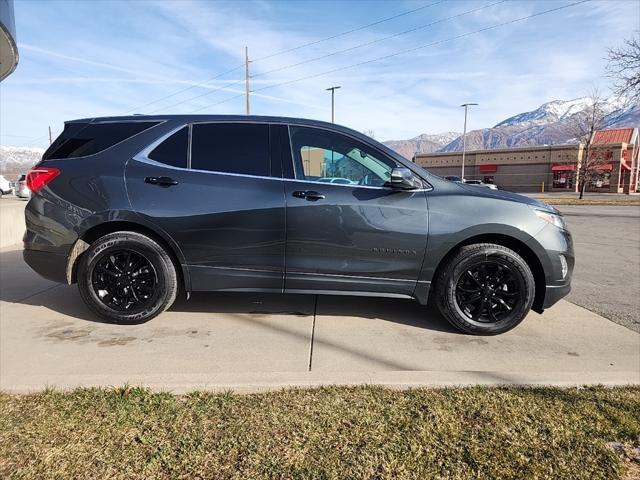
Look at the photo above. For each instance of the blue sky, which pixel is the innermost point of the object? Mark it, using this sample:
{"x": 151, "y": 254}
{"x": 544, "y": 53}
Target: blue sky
{"x": 94, "y": 58}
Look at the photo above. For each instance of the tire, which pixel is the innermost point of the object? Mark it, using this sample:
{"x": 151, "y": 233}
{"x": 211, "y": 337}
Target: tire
{"x": 127, "y": 278}
{"x": 485, "y": 289}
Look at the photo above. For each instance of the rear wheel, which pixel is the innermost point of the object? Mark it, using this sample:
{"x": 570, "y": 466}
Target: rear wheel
{"x": 485, "y": 289}
{"x": 127, "y": 277}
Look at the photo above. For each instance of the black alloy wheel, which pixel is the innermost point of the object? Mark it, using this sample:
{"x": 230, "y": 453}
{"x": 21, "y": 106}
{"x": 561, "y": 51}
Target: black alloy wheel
{"x": 484, "y": 289}
{"x": 489, "y": 291}
{"x": 127, "y": 277}
{"x": 124, "y": 280}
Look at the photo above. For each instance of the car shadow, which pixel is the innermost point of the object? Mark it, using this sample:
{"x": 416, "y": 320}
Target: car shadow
{"x": 66, "y": 300}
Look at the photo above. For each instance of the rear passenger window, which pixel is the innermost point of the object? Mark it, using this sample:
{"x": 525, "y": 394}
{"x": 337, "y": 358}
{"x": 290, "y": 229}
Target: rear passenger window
{"x": 79, "y": 141}
{"x": 173, "y": 150}
{"x": 231, "y": 148}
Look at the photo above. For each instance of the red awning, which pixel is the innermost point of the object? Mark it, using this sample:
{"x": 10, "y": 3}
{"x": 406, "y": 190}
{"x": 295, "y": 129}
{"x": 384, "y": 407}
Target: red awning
{"x": 562, "y": 167}
{"x": 488, "y": 168}
{"x": 601, "y": 167}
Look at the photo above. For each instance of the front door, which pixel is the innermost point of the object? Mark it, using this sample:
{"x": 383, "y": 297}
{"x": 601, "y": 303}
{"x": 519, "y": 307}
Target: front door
{"x": 211, "y": 187}
{"x": 347, "y": 230}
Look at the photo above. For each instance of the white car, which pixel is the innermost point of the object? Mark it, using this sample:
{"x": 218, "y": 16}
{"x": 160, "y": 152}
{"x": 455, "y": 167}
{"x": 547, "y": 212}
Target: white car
{"x": 338, "y": 180}
{"x": 5, "y": 186}
{"x": 21, "y": 190}
{"x": 481, "y": 184}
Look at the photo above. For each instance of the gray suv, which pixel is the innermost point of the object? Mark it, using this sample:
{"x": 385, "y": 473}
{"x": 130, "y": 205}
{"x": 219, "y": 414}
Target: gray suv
{"x": 136, "y": 209}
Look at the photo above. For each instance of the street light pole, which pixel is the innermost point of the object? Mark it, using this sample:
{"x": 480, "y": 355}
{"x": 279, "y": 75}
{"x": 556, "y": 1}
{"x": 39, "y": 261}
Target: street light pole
{"x": 464, "y": 135}
{"x": 333, "y": 92}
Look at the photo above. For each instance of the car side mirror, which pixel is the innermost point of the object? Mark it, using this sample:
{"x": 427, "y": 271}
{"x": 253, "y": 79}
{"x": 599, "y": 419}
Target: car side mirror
{"x": 402, "y": 177}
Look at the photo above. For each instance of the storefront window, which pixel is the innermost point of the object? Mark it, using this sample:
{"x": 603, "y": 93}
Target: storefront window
{"x": 601, "y": 180}
{"x": 563, "y": 179}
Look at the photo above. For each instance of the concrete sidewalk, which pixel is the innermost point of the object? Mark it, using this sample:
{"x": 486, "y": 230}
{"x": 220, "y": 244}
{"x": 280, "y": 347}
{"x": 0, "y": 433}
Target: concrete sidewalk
{"x": 249, "y": 342}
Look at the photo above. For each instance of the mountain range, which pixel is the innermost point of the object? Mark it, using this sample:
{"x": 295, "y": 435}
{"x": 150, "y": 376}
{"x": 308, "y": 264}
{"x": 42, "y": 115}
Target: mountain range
{"x": 551, "y": 123}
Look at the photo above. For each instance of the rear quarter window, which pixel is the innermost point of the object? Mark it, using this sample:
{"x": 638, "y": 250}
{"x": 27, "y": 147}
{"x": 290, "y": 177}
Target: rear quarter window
{"x": 173, "y": 151}
{"x": 80, "y": 140}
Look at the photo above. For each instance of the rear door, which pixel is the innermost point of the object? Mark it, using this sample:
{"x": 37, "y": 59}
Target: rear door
{"x": 347, "y": 230}
{"x": 213, "y": 189}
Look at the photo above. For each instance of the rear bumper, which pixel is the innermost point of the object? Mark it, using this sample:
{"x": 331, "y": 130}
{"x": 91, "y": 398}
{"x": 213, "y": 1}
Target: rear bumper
{"x": 52, "y": 266}
{"x": 554, "y": 293}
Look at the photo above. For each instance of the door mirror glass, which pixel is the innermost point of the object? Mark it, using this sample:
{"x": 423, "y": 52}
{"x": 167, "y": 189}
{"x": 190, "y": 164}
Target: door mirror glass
{"x": 402, "y": 177}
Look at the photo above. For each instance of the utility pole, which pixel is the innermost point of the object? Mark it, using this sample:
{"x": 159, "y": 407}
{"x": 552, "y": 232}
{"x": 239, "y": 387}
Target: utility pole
{"x": 50, "y": 141}
{"x": 464, "y": 135}
{"x": 333, "y": 92}
{"x": 246, "y": 78}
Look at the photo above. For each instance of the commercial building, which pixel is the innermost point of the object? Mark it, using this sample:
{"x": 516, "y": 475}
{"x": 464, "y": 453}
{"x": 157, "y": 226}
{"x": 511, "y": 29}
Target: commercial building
{"x": 8, "y": 46}
{"x": 548, "y": 167}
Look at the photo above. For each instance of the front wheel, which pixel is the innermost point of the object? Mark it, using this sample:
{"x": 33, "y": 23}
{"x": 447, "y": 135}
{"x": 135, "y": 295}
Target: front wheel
{"x": 127, "y": 277}
{"x": 485, "y": 289}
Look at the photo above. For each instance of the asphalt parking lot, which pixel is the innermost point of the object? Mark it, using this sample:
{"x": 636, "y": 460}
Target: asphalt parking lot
{"x": 606, "y": 279}
{"x": 250, "y": 342}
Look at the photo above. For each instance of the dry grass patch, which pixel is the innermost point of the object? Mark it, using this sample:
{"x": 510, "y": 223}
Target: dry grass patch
{"x": 363, "y": 432}
{"x": 615, "y": 202}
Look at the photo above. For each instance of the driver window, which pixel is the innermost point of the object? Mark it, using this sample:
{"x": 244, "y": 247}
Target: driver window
{"x": 328, "y": 157}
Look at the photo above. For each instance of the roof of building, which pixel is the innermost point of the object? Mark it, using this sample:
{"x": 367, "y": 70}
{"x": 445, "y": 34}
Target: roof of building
{"x": 613, "y": 135}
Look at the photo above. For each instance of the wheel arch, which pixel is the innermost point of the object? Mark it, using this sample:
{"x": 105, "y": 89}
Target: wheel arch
{"x": 94, "y": 232}
{"x": 518, "y": 246}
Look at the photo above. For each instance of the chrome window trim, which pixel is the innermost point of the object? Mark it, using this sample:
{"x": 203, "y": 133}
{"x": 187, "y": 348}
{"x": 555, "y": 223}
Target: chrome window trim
{"x": 143, "y": 156}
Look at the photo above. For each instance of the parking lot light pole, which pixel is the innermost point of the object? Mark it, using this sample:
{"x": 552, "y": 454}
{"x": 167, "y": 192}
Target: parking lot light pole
{"x": 464, "y": 135}
{"x": 333, "y": 92}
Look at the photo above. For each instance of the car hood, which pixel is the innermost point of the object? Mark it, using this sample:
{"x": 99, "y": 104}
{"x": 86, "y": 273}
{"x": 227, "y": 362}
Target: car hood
{"x": 510, "y": 196}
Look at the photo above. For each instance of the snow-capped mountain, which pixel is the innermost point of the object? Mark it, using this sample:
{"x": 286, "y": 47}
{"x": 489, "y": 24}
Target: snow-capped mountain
{"x": 422, "y": 143}
{"x": 551, "y": 123}
{"x": 17, "y": 160}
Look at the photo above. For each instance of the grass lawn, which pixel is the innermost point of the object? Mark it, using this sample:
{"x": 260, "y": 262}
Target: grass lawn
{"x": 333, "y": 432}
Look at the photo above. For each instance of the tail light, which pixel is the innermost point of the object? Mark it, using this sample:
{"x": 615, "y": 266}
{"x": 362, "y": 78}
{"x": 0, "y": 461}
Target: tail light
{"x": 40, "y": 176}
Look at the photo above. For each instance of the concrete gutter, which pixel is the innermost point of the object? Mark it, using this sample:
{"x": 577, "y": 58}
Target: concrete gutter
{"x": 180, "y": 383}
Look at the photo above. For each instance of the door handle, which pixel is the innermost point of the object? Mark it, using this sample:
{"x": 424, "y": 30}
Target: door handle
{"x": 162, "y": 181}
{"x": 309, "y": 195}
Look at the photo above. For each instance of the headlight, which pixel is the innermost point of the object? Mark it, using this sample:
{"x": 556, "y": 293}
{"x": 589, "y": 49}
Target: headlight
{"x": 551, "y": 218}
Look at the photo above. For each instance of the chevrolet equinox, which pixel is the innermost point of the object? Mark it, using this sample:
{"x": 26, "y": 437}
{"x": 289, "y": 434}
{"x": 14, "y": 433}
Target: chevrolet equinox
{"x": 135, "y": 209}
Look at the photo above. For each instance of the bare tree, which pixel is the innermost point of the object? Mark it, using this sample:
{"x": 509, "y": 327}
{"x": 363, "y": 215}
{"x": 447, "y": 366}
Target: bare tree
{"x": 584, "y": 126}
{"x": 624, "y": 67}
{"x": 369, "y": 133}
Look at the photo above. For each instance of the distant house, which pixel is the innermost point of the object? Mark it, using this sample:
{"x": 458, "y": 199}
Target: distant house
{"x": 8, "y": 46}
{"x": 547, "y": 167}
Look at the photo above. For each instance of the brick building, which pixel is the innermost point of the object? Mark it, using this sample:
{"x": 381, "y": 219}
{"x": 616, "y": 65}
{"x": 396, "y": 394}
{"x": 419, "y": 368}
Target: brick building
{"x": 548, "y": 167}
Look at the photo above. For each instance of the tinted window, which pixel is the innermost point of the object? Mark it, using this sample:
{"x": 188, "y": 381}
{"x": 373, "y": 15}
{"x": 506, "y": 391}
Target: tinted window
{"x": 231, "y": 148}
{"x": 79, "y": 140}
{"x": 173, "y": 151}
{"x": 325, "y": 156}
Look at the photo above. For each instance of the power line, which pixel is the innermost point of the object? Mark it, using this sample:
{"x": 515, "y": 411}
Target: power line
{"x": 384, "y": 57}
{"x": 382, "y": 39}
{"x": 199, "y": 84}
{"x": 224, "y": 87}
{"x": 402, "y": 52}
{"x": 304, "y": 45}
{"x": 357, "y": 29}
{"x": 218, "y": 103}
